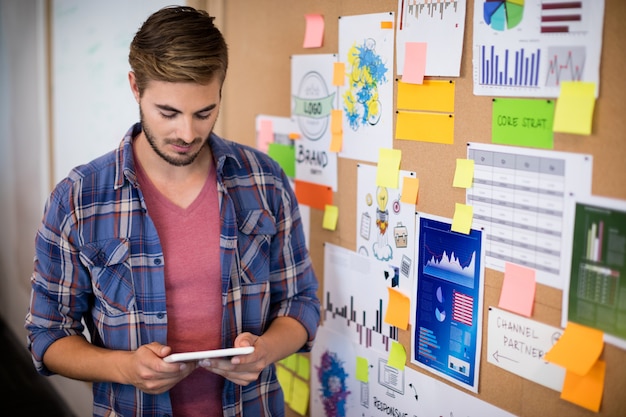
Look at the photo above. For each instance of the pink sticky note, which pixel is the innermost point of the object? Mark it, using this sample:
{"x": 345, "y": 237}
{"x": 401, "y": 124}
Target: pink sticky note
{"x": 265, "y": 135}
{"x": 314, "y": 34}
{"x": 414, "y": 62}
{"x": 518, "y": 289}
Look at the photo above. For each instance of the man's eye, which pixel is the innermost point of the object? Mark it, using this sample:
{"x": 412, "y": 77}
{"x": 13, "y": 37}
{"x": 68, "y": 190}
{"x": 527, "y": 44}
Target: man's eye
{"x": 168, "y": 115}
{"x": 203, "y": 116}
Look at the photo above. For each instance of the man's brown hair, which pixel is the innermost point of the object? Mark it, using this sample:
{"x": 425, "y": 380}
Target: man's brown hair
{"x": 178, "y": 44}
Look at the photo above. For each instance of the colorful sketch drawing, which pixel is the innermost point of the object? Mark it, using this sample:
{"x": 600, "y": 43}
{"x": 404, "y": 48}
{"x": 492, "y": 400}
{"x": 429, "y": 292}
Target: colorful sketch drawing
{"x": 367, "y": 72}
{"x": 333, "y": 381}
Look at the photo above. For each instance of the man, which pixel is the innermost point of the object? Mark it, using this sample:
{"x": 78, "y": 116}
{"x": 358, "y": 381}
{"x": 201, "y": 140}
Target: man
{"x": 177, "y": 241}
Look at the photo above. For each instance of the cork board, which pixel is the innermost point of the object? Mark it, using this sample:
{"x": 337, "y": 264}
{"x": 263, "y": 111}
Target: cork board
{"x": 262, "y": 35}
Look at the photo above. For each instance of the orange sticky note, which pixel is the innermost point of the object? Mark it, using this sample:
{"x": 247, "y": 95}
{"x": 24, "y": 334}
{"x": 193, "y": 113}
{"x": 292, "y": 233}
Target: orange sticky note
{"x": 518, "y": 289}
{"x": 585, "y": 391}
{"x": 313, "y": 195}
{"x": 386, "y": 24}
{"x": 410, "y": 189}
{"x": 414, "y": 62}
{"x": 578, "y": 348}
{"x": 462, "y": 220}
{"x": 294, "y": 136}
{"x": 336, "y": 130}
{"x": 314, "y": 34}
{"x": 265, "y": 135}
{"x": 398, "y": 309}
{"x": 339, "y": 74}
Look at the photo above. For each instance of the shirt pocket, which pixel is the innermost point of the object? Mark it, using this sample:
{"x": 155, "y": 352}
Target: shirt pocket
{"x": 108, "y": 262}
{"x": 257, "y": 229}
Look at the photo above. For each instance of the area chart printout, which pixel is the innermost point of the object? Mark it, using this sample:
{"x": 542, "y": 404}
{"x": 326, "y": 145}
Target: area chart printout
{"x": 596, "y": 296}
{"x": 522, "y": 198}
{"x": 446, "y": 338}
{"x": 526, "y": 48}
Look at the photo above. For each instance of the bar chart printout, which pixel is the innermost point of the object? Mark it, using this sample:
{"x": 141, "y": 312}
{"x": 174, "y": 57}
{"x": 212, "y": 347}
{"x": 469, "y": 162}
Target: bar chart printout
{"x": 597, "y": 287}
{"x": 446, "y": 338}
{"x": 508, "y": 67}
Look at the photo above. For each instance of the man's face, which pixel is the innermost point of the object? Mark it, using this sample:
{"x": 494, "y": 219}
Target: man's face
{"x": 177, "y": 118}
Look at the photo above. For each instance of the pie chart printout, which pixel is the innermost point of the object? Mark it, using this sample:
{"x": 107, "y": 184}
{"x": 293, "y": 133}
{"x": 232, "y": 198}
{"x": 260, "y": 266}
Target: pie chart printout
{"x": 502, "y": 15}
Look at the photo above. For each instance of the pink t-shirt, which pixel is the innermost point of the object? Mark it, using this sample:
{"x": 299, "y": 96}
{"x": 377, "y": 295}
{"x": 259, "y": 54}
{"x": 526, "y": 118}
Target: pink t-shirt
{"x": 190, "y": 241}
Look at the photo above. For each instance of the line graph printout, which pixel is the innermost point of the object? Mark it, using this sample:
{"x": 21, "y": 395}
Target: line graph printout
{"x": 522, "y": 198}
{"x": 440, "y": 25}
{"x": 356, "y": 297}
{"x": 446, "y": 337}
{"x": 526, "y": 48}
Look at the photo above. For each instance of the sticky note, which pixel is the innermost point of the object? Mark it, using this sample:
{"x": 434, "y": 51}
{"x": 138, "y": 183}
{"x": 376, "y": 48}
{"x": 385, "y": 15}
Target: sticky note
{"x": 410, "y": 189}
{"x": 362, "y": 369}
{"x": 585, "y": 391}
{"x": 425, "y": 127}
{"x": 294, "y": 136}
{"x": 578, "y": 348}
{"x": 304, "y": 367}
{"x": 331, "y": 214}
{"x": 265, "y": 135}
{"x": 339, "y": 74}
{"x": 431, "y": 95}
{"x": 314, "y": 33}
{"x": 285, "y": 379}
{"x": 414, "y": 62}
{"x": 462, "y": 220}
{"x": 398, "y": 309}
{"x": 518, "y": 289}
{"x": 397, "y": 356}
{"x": 300, "y": 397}
{"x": 574, "y": 107}
{"x": 388, "y": 171}
{"x": 313, "y": 195}
{"x": 523, "y": 122}
{"x": 290, "y": 362}
{"x": 386, "y": 24}
{"x": 464, "y": 173}
{"x": 285, "y": 155}
{"x": 336, "y": 130}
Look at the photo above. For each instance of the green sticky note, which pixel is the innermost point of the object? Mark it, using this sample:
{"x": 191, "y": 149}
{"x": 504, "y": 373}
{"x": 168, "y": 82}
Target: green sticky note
{"x": 300, "y": 397}
{"x": 290, "y": 362}
{"x": 523, "y": 122}
{"x": 285, "y": 155}
{"x": 397, "y": 356}
{"x": 285, "y": 379}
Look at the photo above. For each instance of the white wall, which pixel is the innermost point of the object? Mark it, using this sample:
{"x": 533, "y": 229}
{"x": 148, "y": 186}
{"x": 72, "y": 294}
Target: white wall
{"x": 92, "y": 108}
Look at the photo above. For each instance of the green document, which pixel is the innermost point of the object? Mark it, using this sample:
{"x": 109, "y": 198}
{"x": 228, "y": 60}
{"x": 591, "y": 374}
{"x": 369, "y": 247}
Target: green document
{"x": 597, "y": 289}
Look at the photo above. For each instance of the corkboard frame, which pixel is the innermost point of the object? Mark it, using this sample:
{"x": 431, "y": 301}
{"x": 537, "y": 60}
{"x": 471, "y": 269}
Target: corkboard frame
{"x": 262, "y": 35}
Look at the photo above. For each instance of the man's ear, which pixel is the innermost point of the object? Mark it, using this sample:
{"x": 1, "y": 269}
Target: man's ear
{"x": 133, "y": 85}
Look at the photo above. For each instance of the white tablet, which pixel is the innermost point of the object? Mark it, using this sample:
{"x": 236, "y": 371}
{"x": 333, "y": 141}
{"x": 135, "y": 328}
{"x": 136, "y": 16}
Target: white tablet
{"x": 207, "y": 354}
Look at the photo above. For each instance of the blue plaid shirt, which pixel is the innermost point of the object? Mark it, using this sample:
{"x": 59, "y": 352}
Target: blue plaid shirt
{"x": 99, "y": 261}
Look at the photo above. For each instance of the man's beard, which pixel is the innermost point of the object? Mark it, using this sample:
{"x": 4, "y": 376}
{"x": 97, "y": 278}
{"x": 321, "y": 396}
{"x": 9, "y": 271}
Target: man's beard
{"x": 181, "y": 160}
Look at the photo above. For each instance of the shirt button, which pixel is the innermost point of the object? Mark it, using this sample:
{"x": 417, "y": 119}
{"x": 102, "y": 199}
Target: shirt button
{"x": 157, "y": 261}
{"x": 160, "y": 315}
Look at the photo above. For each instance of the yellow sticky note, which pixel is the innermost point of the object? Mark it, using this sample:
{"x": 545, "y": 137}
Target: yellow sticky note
{"x": 339, "y": 74}
{"x": 397, "y": 356}
{"x": 336, "y": 121}
{"x": 290, "y": 362}
{"x": 398, "y": 309}
{"x": 314, "y": 34}
{"x": 331, "y": 214}
{"x": 304, "y": 367}
{"x": 464, "y": 174}
{"x": 300, "y": 397}
{"x": 578, "y": 348}
{"x": 285, "y": 379}
{"x": 585, "y": 391}
{"x": 463, "y": 216}
{"x": 388, "y": 171}
{"x": 431, "y": 96}
{"x": 573, "y": 112}
{"x": 362, "y": 369}
{"x": 518, "y": 289}
{"x": 410, "y": 189}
